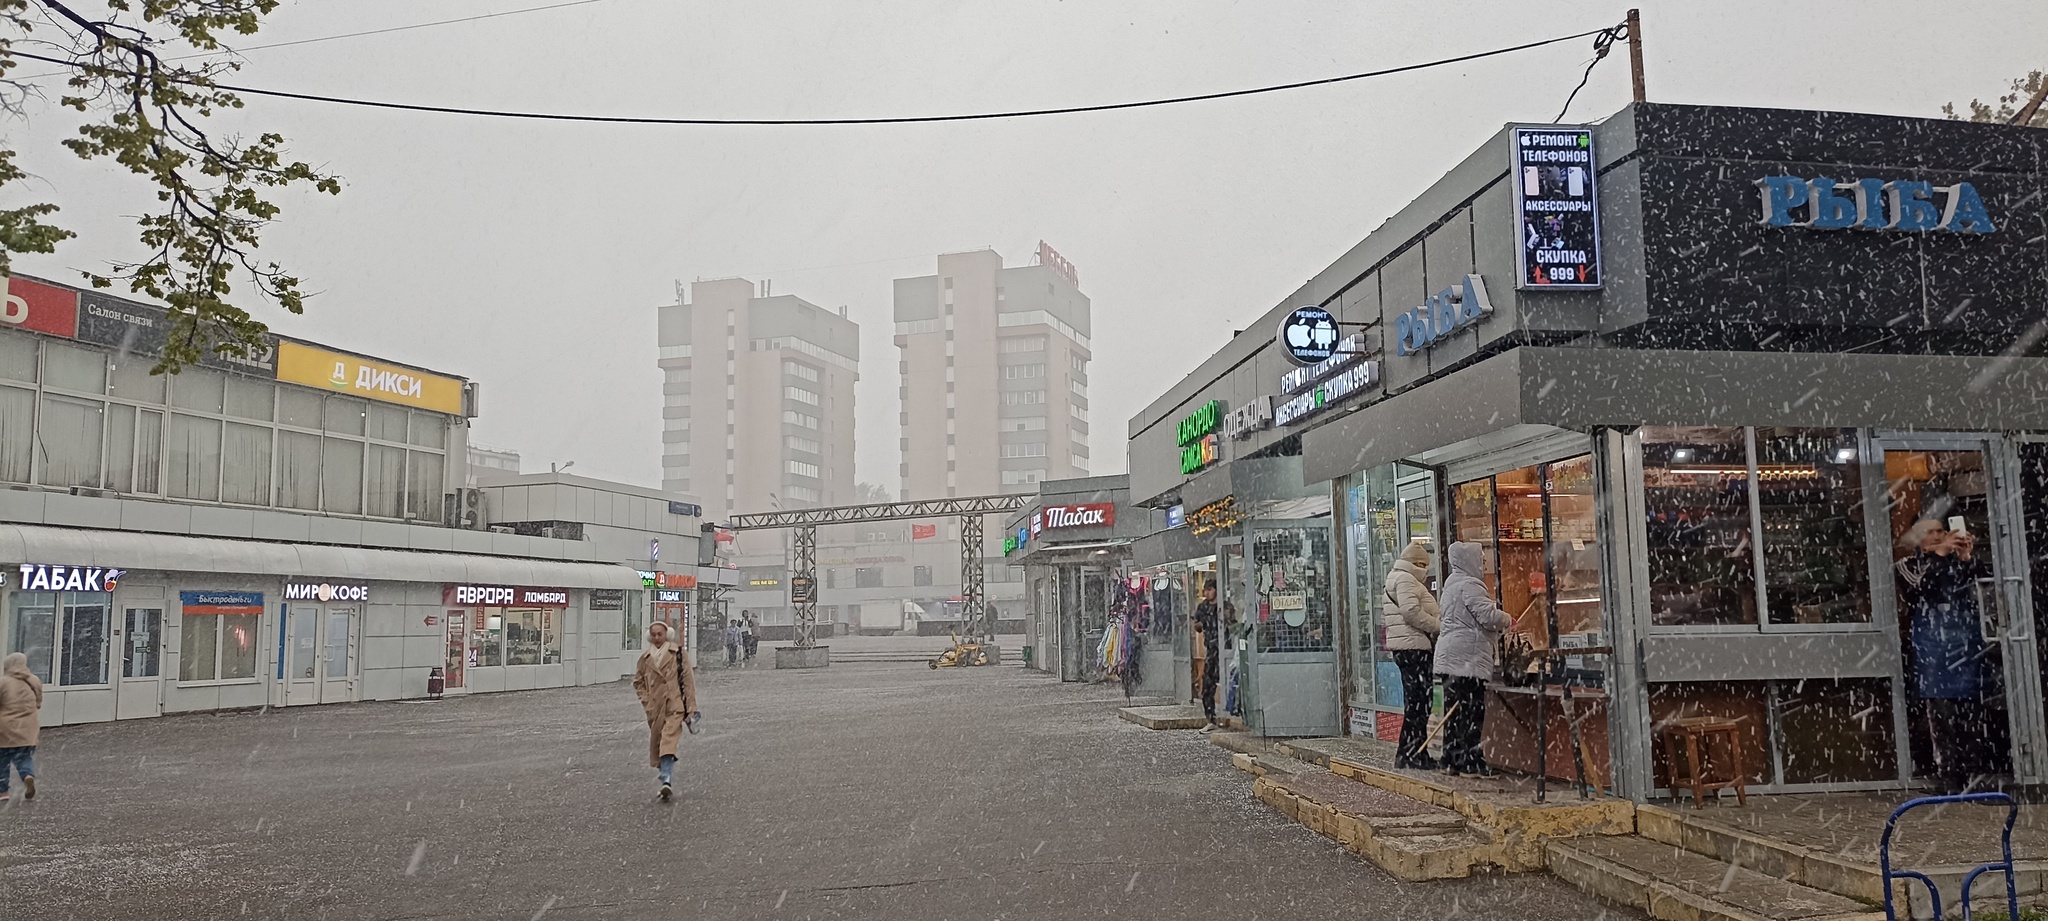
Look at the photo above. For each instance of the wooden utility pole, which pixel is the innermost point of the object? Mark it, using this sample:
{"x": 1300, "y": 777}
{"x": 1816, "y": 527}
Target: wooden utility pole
{"x": 2026, "y": 113}
{"x": 1635, "y": 52}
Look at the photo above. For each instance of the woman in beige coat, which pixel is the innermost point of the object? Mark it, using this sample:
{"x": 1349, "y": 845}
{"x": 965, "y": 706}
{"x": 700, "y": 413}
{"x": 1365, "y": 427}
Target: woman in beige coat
{"x": 21, "y": 703}
{"x": 667, "y": 686}
{"x": 1413, "y": 622}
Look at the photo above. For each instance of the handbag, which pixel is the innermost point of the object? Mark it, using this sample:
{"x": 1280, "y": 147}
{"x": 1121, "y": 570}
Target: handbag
{"x": 1517, "y": 660}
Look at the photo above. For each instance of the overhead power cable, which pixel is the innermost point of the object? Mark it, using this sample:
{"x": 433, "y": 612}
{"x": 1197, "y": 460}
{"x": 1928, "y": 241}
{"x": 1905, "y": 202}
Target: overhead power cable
{"x": 367, "y": 32}
{"x": 1602, "y": 43}
{"x": 898, "y": 120}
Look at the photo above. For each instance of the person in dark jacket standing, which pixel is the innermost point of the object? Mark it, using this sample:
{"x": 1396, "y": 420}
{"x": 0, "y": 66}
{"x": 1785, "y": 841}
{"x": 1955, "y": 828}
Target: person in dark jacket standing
{"x": 1412, "y": 622}
{"x": 1938, "y": 583}
{"x": 1209, "y": 632}
{"x": 1465, "y": 655}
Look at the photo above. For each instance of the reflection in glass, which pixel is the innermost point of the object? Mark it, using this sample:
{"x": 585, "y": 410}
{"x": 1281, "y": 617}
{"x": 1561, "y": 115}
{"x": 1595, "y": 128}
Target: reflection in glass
{"x": 1810, "y": 488}
{"x": 1696, "y": 495}
{"x": 1291, "y": 580}
{"x": 87, "y": 617}
{"x": 35, "y": 631}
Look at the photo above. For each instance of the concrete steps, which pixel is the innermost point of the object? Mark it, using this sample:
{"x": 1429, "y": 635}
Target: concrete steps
{"x": 1182, "y": 716}
{"x": 1412, "y": 841}
{"x": 1687, "y": 829}
{"x": 1673, "y": 884}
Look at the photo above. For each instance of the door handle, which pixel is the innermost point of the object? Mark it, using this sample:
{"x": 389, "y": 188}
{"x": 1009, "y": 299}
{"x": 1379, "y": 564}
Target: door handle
{"x": 1988, "y": 609}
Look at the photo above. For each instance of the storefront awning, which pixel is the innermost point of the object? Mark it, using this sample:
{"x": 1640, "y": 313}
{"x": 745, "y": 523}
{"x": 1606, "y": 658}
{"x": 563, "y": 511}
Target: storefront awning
{"x": 1579, "y": 388}
{"x": 132, "y": 550}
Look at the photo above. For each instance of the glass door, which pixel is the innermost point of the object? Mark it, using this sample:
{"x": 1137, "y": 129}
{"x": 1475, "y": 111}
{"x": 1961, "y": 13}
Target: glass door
{"x": 302, "y": 655}
{"x": 1971, "y": 677}
{"x": 140, "y": 693}
{"x": 456, "y": 655}
{"x": 338, "y": 660}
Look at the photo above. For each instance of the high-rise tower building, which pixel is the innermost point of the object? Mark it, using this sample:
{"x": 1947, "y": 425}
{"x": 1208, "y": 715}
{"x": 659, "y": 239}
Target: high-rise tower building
{"x": 994, "y": 369}
{"x": 757, "y": 395}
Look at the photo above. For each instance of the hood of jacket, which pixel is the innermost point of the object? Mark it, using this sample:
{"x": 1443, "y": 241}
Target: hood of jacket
{"x": 1466, "y": 559}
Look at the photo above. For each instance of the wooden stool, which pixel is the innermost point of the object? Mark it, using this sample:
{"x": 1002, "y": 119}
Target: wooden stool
{"x": 1698, "y": 734}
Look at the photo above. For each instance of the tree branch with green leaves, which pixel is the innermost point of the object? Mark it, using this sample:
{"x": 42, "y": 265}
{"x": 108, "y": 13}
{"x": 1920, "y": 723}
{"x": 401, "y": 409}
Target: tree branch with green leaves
{"x": 149, "y": 114}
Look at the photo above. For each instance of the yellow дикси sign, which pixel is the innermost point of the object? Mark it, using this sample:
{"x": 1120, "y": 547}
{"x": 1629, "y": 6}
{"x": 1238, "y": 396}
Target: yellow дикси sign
{"x": 311, "y": 367}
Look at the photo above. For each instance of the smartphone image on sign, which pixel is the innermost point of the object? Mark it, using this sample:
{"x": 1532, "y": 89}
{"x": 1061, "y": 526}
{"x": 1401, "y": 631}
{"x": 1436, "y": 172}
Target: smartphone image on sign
{"x": 1956, "y": 523}
{"x": 1532, "y": 180}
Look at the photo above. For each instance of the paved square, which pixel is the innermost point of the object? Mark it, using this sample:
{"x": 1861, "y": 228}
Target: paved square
{"x": 884, "y": 791}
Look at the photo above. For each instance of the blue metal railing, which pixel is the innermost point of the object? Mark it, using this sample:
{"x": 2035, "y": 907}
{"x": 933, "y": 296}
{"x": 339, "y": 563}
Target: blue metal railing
{"x": 1884, "y": 856}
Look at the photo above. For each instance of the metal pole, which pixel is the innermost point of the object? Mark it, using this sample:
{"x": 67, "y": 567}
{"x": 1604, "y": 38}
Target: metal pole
{"x": 806, "y": 570}
{"x": 1635, "y": 52}
{"x": 970, "y": 579}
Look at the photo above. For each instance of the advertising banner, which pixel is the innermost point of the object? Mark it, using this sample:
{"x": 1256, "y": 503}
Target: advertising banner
{"x": 314, "y": 367}
{"x": 33, "y": 305}
{"x": 1557, "y": 211}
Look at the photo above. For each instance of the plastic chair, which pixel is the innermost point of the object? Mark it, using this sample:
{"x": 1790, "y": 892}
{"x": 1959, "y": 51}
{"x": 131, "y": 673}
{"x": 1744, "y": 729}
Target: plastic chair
{"x": 1884, "y": 856}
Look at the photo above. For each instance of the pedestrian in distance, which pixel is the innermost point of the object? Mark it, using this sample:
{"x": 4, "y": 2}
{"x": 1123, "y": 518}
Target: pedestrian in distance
{"x": 732, "y": 643}
{"x": 1466, "y": 655}
{"x": 750, "y": 635}
{"x": 667, "y": 687}
{"x": 1413, "y": 623}
{"x": 1209, "y": 633}
{"x": 21, "y": 702}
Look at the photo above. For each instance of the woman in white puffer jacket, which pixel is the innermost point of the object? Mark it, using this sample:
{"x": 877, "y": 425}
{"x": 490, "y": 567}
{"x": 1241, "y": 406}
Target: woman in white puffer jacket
{"x": 1413, "y": 622}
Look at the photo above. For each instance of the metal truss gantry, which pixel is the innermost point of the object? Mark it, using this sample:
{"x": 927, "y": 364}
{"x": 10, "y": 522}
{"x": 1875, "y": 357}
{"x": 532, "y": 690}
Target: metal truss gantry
{"x": 805, "y": 522}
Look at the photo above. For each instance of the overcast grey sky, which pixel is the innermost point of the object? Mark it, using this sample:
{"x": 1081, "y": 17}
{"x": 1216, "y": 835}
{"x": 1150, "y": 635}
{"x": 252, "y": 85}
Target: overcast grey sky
{"x": 529, "y": 256}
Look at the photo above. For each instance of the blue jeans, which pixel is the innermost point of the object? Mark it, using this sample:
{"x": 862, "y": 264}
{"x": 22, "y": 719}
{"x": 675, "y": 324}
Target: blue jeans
{"x": 22, "y": 759}
{"x": 667, "y": 771}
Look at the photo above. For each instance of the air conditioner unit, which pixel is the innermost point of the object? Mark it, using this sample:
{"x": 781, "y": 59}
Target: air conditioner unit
{"x": 466, "y": 509}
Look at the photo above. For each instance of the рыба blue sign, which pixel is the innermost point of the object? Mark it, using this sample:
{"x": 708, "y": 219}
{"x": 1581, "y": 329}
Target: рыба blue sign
{"x": 1440, "y": 315}
{"x": 1871, "y": 204}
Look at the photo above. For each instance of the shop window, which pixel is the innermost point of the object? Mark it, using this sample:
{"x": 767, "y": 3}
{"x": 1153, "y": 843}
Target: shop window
{"x": 430, "y": 430}
{"x": 921, "y": 575}
{"x": 1374, "y": 540}
{"x": 530, "y": 637}
{"x": 298, "y": 470}
{"x": 298, "y": 407}
{"x": 341, "y": 476}
{"x": 1574, "y": 551}
{"x": 387, "y": 423}
{"x": 245, "y": 460}
{"x": 1292, "y": 585}
{"x": 65, "y": 635}
{"x": 18, "y": 357}
{"x": 1700, "y": 545}
{"x": 1746, "y": 702}
{"x": 199, "y": 389}
{"x": 71, "y": 448}
{"x": 487, "y": 638}
{"x": 1837, "y": 731}
{"x": 149, "y": 452}
{"x": 632, "y": 622}
{"x": 345, "y": 415}
{"x": 1538, "y": 530}
{"x": 867, "y": 577}
{"x": 194, "y": 457}
{"x": 70, "y": 367}
{"x": 218, "y": 647}
{"x": 424, "y": 473}
{"x": 385, "y": 467}
{"x": 132, "y": 380}
{"x": 1810, "y": 492}
{"x": 17, "y": 433}
{"x": 251, "y": 399}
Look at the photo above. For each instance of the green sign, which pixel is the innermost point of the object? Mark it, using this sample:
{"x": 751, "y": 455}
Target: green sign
{"x": 1201, "y": 422}
{"x": 1009, "y": 545}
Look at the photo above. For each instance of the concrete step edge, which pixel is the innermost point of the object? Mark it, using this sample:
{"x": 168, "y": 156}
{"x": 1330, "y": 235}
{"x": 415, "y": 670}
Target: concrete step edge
{"x": 1618, "y": 883}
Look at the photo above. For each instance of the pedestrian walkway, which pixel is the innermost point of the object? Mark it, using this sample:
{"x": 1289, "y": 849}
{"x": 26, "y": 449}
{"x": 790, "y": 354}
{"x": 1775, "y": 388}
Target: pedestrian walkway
{"x": 1780, "y": 858}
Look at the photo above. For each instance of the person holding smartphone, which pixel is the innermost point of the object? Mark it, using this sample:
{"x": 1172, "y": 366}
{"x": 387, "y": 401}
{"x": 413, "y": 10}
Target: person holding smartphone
{"x": 1937, "y": 582}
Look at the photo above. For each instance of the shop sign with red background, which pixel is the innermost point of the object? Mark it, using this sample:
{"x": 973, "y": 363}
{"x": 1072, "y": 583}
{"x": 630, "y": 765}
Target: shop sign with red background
{"x": 42, "y": 308}
{"x": 1084, "y": 515}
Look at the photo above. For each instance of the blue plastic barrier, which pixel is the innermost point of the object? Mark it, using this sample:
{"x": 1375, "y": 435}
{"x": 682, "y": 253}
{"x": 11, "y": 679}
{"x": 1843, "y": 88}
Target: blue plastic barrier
{"x": 1884, "y": 856}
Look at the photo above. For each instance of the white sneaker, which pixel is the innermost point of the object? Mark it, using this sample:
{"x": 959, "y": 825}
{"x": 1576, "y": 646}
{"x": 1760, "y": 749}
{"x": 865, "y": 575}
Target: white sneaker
{"x": 667, "y": 792}
{"x": 1212, "y": 727}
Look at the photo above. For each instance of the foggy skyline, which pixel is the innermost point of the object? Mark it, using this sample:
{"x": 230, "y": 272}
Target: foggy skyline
{"x": 531, "y": 256}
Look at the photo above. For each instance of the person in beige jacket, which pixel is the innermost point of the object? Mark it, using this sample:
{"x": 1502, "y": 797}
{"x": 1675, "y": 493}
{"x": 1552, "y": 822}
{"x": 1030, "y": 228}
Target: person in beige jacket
{"x": 21, "y": 703}
{"x": 1412, "y": 622}
{"x": 667, "y": 686}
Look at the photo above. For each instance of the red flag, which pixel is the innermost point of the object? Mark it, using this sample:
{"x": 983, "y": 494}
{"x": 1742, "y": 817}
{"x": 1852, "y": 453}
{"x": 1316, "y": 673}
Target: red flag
{"x": 923, "y": 531}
